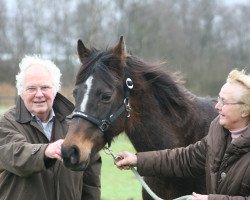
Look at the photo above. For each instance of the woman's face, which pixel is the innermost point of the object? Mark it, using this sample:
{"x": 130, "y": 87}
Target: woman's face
{"x": 229, "y": 107}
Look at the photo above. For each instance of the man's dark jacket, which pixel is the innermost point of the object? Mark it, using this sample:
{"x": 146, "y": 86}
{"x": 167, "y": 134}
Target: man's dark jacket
{"x": 25, "y": 173}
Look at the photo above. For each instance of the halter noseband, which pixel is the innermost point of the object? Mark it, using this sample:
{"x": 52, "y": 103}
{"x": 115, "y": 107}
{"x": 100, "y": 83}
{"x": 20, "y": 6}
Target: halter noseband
{"x": 104, "y": 124}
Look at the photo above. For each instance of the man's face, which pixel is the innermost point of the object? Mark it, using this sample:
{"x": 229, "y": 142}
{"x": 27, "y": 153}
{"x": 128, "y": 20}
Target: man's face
{"x": 38, "y": 93}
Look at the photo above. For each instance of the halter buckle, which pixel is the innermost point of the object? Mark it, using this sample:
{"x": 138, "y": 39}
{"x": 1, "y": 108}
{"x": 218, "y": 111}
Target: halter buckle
{"x": 127, "y": 106}
{"x": 105, "y": 125}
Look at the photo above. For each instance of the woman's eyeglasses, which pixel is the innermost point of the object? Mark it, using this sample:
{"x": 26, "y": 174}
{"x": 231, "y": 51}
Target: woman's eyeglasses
{"x": 222, "y": 102}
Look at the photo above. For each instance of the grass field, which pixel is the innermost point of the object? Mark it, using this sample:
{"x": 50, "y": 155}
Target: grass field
{"x": 116, "y": 184}
{"x": 119, "y": 184}
{"x": 3, "y": 108}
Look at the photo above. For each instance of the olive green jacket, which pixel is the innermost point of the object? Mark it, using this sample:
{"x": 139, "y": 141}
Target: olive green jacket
{"x": 25, "y": 174}
{"x": 226, "y": 165}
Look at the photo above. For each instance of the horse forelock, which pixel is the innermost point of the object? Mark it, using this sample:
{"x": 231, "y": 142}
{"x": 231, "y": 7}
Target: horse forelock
{"x": 98, "y": 63}
{"x": 86, "y": 67}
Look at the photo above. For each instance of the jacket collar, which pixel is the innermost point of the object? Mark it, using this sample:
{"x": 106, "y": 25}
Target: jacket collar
{"x": 222, "y": 133}
{"x": 61, "y": 106}
{"x": 219, "y": 146}
{"x": 244, "y": 140}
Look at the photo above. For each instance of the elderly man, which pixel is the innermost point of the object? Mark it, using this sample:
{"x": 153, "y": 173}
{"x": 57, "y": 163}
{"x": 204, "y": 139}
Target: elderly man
{"x": 31, "y": 134}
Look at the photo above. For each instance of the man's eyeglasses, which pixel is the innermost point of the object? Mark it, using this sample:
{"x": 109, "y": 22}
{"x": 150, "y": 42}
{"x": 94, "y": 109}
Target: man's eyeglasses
{"x": 33, "y": 90}
{"x": 222, "y": 102}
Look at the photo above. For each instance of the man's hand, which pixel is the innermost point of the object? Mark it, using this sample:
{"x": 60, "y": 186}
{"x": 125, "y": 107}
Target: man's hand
{"x": 53, "y": 150}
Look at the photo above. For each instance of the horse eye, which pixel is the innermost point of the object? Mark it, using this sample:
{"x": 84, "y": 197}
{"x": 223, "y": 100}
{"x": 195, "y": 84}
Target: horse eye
{"x": 106, "y": 97}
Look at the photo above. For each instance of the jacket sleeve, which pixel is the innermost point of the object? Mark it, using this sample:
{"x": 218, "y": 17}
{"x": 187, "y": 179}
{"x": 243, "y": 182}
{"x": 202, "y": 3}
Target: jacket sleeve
{"x": 226, "y": 197}
{"x": 91, "y": 180}
{"x": 180, "y": 162}
{"x": 17, "y": 155}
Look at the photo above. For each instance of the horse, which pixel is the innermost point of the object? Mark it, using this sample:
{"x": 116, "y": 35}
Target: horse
{"x": 115, "y": 93}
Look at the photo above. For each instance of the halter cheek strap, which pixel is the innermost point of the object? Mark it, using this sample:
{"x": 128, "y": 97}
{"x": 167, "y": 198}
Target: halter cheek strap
{"x": 104, "y": 124}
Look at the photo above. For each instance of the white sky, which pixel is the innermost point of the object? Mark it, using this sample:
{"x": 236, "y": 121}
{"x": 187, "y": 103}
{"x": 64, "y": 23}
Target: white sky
{"x": 236, "y": 1}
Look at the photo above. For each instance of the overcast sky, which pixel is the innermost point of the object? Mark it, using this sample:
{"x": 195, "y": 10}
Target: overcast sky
{"x": 235, "y": 1}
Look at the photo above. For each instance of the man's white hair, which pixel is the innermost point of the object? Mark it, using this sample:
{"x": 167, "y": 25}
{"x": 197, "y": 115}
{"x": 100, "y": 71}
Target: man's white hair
{"x": 27, "y": 61}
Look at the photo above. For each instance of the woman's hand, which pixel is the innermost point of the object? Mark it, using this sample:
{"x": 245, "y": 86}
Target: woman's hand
{"x": 126, "y": 160}
{"x": 199, "y": 196}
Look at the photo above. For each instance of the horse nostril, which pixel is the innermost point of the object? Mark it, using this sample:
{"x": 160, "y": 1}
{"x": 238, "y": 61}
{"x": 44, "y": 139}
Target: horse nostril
{"x": 71, "y": 154}
{"x": 74, "y": 155}
{"x": 74, "y": 158}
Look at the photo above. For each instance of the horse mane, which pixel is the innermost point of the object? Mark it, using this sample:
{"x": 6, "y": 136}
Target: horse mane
{"x": 167, "y": 87}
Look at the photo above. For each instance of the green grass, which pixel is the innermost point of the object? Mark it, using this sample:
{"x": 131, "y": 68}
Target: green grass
{"x": 3, "y": 108}
{"x": 118, "y": 184}
{"x": 115, "y": 184}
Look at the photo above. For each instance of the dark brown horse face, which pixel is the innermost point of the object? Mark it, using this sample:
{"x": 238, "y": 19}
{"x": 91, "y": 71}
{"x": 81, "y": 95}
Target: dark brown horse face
{"x": 98, "y": 94}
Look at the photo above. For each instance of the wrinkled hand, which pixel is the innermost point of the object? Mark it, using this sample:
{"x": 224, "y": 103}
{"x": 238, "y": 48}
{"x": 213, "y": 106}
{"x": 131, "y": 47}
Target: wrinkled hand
{"x": 53, "y": 150}
{"x": 186, "y": 197}
{"x": 126, "y": 161}
{"x": 194, "y": 196}
{"x": 199, "y": 196}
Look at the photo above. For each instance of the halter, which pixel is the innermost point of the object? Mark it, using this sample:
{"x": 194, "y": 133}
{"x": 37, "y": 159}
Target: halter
{"x": 104, "y": 124}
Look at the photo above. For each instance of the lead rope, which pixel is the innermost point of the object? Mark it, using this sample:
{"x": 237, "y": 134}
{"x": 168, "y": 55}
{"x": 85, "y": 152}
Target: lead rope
{"x": 108, "y": 151}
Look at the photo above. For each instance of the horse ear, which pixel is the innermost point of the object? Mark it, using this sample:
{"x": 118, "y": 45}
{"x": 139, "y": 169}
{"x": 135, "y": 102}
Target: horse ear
{"x": 120, "y": 50}
{"x": 82, "y": 51}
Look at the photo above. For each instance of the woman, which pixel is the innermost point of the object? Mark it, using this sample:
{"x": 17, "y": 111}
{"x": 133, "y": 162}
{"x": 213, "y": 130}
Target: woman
{"x": 223, "y": 155}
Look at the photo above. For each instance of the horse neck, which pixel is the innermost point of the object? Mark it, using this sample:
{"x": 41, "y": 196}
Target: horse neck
{"x": 164, "y": 113}
{"x": 153, "y": 124}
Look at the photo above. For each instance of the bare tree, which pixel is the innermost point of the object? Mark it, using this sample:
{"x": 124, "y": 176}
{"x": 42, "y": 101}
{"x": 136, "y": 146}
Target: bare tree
{"x": 202, "y": 38}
